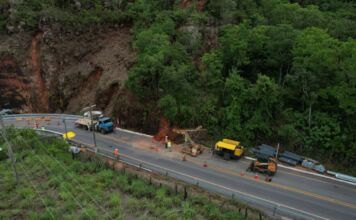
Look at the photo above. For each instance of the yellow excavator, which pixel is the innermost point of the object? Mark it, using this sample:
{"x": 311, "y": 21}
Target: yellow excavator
{"x": 229, "y": 149}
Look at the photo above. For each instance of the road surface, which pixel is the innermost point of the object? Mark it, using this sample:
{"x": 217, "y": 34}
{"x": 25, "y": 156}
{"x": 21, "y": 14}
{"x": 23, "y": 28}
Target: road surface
{"x": 291, "y": 194}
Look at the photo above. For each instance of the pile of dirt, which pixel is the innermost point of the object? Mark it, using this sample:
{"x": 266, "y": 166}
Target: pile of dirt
{"x": 166, "y": 130}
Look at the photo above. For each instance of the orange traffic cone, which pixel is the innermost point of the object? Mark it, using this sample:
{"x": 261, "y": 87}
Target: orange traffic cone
{"x": 268, "y": 179}
{"x": 256, "y": 176}
{"x": 205, "y": 164}
{"x": 242, "y": 174}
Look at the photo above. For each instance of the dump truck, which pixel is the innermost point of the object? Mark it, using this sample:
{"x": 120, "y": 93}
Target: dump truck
{"x": 268, "y": 167}
{"x": 229, "y": 149}
{"x": 100, "y": 123}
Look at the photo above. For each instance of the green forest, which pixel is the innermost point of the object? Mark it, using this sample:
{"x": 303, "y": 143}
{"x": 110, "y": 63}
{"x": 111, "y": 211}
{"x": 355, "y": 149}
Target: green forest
{"x": 260, "y": 71}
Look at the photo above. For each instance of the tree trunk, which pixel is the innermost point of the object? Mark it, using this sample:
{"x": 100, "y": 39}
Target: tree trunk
{"x": 310, "y": 112}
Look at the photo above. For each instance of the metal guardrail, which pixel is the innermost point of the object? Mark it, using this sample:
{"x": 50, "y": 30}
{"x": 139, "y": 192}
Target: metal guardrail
{"x": 40, "y": 115}
{"x": 276, "y": 208}
{"x": 336, "y": 176}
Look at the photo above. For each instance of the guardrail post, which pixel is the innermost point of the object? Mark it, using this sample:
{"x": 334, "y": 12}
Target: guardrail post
{"x": 246, "y": 212}
{"x": 176, "y": 188}
{"x": 185, "y": 193}
{"x": 275, "y": 210}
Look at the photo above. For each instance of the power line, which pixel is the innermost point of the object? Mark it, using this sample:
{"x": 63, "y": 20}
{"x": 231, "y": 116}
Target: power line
{"x": 39, "y": 195}
{"x": 68, "y": 191}
{"x": 72, "y": 176}
{"x": 9, "y": 148}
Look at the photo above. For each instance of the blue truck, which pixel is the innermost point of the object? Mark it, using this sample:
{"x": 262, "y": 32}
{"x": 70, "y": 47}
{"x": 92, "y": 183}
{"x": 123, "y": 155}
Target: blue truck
{"x": 100, "y": 124}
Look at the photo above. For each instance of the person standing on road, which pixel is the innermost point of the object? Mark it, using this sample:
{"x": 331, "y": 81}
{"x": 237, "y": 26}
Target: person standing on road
{"x": 169, "y": 145}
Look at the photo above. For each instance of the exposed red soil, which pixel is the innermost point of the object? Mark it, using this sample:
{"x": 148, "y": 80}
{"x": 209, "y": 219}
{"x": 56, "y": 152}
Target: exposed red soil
{"x": 165, "y": 130}
{"x": 200, "y": 4}
{"x": 13, "y": 85}
{"x": 38, "y": 83}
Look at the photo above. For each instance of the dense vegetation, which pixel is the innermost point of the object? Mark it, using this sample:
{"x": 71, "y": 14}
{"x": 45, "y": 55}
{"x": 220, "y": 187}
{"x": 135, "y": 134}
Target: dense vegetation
{"x": 254, "y": 70}
{"x": 53, "y": 186}
{"x": 279, "y": 71}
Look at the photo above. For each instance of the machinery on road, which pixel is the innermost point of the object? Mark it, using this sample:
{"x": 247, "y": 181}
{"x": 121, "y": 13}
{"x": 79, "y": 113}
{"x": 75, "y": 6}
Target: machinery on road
{"x": 97, "y": 122}
{"x": 229, "y": 149}
{"x": 190, "y": 147}
{"x": 268, "y": 167}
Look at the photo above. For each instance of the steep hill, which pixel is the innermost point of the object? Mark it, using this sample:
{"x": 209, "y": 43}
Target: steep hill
{"x": 260, "y": 71}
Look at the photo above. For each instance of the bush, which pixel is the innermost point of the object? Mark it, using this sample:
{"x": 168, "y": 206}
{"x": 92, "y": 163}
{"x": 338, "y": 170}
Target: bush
{"x": 141, "y": 189}
{"x": 89, "y": 213}
{"x": 49, "y": 213}
{"x": 115, "y": 200}
{"x": 134, "y": 206}
{"x": 122, "y": 182}
{"x": 106, "y": 177}
{"x": 69, "y": 206}
{"x": 26, "y": 192}
{"x": 188, "y": 211}
{"x": 212, "y": 211}
{"x": 3, "y": 152}
{"x": 164, "y": 200}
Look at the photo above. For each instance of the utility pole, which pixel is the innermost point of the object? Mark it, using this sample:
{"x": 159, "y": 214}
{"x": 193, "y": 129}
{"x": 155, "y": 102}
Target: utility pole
{"x": 9, "y": 148}
{"x": 277, "y": 151}
{"x": 65, "y": 128}
{"x": 91, "y": 125}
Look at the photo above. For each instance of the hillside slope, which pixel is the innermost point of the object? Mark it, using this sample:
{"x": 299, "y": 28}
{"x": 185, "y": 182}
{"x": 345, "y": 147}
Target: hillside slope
{"x": 51, "y": 71}
{"x": 260, "y": 71}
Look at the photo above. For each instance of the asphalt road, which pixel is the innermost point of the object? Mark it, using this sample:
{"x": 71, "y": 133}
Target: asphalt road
{"x": 291, "y": 194}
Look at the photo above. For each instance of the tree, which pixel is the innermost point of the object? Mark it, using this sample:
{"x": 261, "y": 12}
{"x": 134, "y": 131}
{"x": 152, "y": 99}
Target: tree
{"x": 234, "y": 47}
{"x": 315, "y": 64}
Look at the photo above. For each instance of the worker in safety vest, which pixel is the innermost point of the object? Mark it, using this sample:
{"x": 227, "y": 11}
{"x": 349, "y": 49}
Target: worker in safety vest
{"x": 116, "y": 153}
{"x": 169, "y": 145}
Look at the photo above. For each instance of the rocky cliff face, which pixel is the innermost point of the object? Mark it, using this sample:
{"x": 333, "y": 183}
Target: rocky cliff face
{"x": 56, "y": 71}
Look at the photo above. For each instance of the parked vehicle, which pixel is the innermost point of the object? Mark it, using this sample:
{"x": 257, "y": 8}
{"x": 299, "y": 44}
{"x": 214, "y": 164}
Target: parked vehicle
{"x": 229, "y": 149}
{"x": 97, "y": 122}
{"x": 313, "y": 165}
{"x": 6, "y": 112}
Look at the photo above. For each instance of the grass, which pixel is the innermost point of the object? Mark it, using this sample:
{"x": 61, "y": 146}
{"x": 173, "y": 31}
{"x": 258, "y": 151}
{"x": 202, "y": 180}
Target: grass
{"x": 53, "y": 186}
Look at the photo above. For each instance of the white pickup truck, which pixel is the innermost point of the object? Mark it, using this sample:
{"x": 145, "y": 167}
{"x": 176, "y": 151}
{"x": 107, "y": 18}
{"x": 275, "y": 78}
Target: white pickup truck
{"x": 100, "y": 123}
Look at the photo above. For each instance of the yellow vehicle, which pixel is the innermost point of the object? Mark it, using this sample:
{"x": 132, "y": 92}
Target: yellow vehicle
{"x": 268, "y": 167}
{"x": 229, "y": 149}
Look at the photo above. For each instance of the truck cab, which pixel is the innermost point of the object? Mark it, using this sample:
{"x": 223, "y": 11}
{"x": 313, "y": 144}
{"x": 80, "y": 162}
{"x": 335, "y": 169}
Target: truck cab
{"x": 104, "y": 125}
